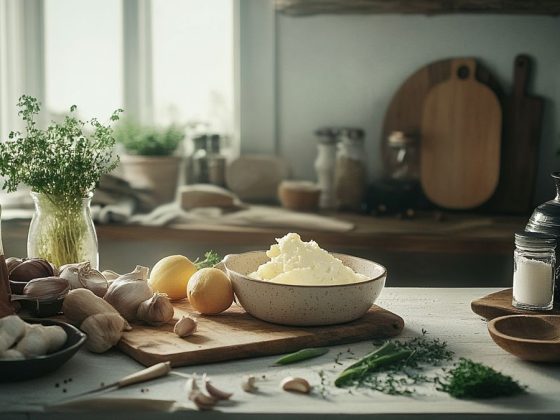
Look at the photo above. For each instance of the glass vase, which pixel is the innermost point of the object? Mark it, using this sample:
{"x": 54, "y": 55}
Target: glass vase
{"x": 62, "y": 230}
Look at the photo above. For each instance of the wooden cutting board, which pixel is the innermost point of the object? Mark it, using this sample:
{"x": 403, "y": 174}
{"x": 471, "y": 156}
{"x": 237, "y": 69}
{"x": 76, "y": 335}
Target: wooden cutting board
{"x": 461, "y": 136}
{"x": 520, "y": 144}
{"x": 235, "y": 334}
{"x": 499, "y": 304}
{"x": 404, "y": 112}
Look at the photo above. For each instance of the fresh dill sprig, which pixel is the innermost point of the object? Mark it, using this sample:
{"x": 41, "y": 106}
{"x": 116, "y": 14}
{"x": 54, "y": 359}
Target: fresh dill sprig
{"x": 211, "y": 258}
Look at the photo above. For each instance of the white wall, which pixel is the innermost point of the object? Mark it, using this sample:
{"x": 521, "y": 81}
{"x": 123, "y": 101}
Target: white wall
{"x": 344, "y": 70}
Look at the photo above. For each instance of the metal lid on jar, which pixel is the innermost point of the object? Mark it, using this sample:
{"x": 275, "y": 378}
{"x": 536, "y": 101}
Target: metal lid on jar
{"x": 535, "y": 240}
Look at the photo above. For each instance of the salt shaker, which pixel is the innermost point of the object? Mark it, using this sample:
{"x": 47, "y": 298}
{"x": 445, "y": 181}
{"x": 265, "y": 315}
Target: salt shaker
{"x": 533, "y": 273}
{"x": 325, "y": 166}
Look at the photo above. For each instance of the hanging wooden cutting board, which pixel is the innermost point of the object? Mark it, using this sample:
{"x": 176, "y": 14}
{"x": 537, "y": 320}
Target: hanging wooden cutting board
{"x": 234, "y": 334}
{"x": 461, "y": 135}
{"x": 520, "y": 145}
{"x": 404, "y": 112}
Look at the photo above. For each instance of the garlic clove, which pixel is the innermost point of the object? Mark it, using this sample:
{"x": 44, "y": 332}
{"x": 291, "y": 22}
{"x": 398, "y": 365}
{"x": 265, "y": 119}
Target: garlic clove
{"x": 83, "y": 275}
{"x": 110, "y": 275}
{"x": 185, "y": 326}
{"x": 30, "y": 269}
{"x": 12, "y": 354}
{"x": 299, "y": 385}
{"x": 128, "y": 291}
{"x": 202, "y": 401}
{"x": 35, "y": 342}
{"x": 215, "y": 392}
{"x": 156, "y": 311}
{"x": 103, "y": 331}
{"x": 46, "y": 288}
{"x": 248, "y": 383}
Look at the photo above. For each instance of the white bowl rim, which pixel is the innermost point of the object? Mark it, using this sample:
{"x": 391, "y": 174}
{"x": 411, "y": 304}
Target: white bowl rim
{"x": 309, "y": 286}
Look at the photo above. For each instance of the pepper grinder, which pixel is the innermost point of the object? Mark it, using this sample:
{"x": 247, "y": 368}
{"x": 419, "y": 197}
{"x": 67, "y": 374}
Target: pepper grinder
{"x": 325, "y": 166}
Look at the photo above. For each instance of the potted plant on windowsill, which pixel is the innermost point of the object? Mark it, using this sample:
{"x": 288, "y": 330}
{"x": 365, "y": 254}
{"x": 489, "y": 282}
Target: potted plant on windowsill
{"x": 62, "y": 164}
{"x": 148, "y": 162}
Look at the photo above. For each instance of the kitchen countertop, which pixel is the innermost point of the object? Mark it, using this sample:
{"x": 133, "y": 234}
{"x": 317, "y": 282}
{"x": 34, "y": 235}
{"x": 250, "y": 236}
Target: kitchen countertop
{"x": 443, "y": 312}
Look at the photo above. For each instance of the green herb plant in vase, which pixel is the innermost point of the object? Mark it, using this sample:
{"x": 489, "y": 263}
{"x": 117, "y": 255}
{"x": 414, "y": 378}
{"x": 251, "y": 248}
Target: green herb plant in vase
{"x": 62, "y": 164}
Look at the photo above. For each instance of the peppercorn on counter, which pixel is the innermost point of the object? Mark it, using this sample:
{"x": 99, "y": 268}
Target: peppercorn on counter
{"x": 259, "y": 391}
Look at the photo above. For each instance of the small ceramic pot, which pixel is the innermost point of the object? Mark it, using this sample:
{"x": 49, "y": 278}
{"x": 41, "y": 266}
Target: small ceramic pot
{"x": 304, "y": 305}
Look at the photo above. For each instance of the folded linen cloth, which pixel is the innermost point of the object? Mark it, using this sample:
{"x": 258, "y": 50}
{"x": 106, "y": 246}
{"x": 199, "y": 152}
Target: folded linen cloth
{"x": 257, "y": 216}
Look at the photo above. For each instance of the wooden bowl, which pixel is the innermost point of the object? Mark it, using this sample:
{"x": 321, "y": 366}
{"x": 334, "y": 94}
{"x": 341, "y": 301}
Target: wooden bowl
{"x": 304, "y": 305}
{"x": 534, "y": 338}
{"x": 299, "y": 195}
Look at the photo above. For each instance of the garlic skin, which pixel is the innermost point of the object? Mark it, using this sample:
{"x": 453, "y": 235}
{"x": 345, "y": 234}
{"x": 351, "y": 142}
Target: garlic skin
{"x": 30, "y": 269}
{"x": 46, "y": 288}
{"x": 128, "y": 291}
{"x": 185, "y": 326}
{"x": 103, "y": 331}
{"x": 155, "y": 311}
{"x": 79, "y": 304}
{"x": 83, "y": 275}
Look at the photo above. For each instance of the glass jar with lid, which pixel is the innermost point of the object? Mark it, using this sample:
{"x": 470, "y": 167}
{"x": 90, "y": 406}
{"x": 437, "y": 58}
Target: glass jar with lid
{"x": 533, "y": 272}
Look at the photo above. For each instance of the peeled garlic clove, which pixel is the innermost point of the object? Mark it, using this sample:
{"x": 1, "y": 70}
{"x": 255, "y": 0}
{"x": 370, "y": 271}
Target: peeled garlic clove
{"x": 47, "y": 288}
{"x": 56, "y": 336}
{"x": 103, "y": 331}
{"x": 12, "y": 354}
{"x": 248, "y": 383}
{"x": 81, "y": 303}
{"x": 35, "y": 342}
{"x": 33, "y": 268}
{"x": 296, "y": 385}
{"x": 215, "y": 392}
{"x": 191, "y": 384}
{"x": 155, "y": 311}
{"x": 185, "y": 326}
{"x": 128, "y": 291}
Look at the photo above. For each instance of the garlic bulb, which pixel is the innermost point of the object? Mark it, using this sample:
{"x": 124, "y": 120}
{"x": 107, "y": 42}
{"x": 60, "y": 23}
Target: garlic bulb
{"x": 82, "y": 275}
{"x": 155, "y": 311}
{"x": 30, "y": 269}
{"x": 128, "y": 291}
{"x": 110, "y": 275}
{"x": 13, "y": 262}
{"x": 81, "y": 303}
{"x": 47, "y": 288}
{"x": 103, "y": 331}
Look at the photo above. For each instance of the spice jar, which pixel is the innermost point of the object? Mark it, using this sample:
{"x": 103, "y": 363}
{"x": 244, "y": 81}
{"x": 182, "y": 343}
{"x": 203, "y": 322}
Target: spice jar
{"x": 533, "y": 271}
{"x": 350, "y": 170}
{"x": 325, "y": 165}
{"x": 216, "y": 162}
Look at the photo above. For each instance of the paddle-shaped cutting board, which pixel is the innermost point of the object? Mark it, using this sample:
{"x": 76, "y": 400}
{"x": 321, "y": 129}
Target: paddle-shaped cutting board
{"x": 460, "y": 140}
{"x": 499, "y": 304}
{"x": 234, "y": 334}
{"x": 520, "y": 146}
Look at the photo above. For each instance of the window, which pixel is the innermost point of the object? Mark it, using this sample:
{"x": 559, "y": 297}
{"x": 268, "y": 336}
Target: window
{"x": 181, "y": 59}
{"x": 83, "y": 56}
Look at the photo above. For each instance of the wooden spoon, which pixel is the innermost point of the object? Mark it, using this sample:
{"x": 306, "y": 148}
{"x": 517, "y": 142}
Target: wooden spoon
{"x": 530, "y": 337}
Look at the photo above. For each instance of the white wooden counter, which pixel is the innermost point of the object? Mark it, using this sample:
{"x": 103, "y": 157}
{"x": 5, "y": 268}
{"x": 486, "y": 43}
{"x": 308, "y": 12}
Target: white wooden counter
{"x": 444, "y": 313}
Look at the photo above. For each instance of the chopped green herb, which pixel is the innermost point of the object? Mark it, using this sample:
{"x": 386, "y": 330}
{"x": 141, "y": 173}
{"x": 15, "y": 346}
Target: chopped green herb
{"x": 300, "y": 355}
{"x": 211, "y": 258}
{"x": 470, "y": 379}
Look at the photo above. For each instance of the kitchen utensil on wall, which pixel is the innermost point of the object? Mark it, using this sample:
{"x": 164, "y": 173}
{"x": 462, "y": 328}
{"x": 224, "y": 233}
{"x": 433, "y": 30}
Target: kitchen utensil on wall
{"x": 461, "y": 136}
{"x": 404, "y": 112}
{"x": 520, "y": 145}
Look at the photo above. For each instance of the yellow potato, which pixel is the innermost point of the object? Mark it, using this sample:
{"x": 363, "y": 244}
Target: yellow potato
{"x": 171, "y": 275}
{"x": 210, "y": 291}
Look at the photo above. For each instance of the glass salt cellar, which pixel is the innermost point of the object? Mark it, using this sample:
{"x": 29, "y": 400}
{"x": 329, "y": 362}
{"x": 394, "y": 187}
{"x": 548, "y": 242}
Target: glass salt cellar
{"x": 533, "y": 272}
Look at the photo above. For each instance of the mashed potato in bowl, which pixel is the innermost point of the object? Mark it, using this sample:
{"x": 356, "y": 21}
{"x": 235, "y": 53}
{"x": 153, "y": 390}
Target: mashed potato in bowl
{"x": 293, "y": 261}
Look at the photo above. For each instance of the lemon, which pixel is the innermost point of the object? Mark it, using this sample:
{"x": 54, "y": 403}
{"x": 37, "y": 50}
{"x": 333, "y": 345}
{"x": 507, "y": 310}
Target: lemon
{"x": 210, "y": 291}
{"x": 170, "y": 275}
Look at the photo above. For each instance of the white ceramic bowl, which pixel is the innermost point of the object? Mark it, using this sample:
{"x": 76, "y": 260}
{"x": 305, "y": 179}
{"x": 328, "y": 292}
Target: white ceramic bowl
{"x": 304, "y": 305}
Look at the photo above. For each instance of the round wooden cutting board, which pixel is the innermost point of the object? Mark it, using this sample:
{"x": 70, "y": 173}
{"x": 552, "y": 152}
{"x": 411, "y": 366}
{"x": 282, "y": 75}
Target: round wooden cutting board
{"x": 460, "y": 140}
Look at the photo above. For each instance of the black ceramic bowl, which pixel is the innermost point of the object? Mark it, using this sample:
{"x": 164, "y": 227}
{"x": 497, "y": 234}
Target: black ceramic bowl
{"x": 42, "y": 308}
{"x": 17, "y": 370}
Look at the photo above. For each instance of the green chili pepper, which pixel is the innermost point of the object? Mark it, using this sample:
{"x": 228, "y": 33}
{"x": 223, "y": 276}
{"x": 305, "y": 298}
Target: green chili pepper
{"x": 300, "y": 355}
